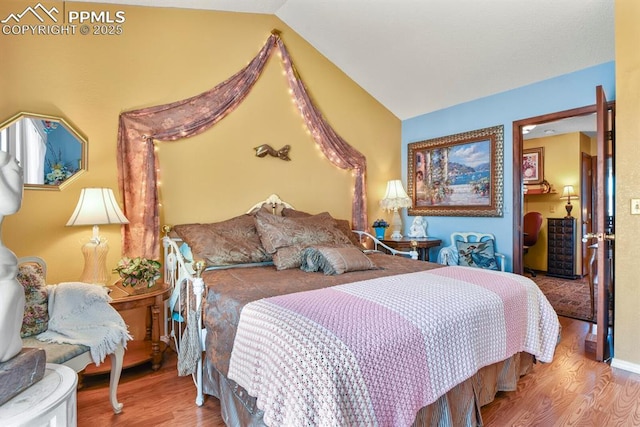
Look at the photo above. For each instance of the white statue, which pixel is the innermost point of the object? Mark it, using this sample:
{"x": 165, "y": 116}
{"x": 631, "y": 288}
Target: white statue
{"x": 11, "y": 291}
{"x": 418, "y": 227}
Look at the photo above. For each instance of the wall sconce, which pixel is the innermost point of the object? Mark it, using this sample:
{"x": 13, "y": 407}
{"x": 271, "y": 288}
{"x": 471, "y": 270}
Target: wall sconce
{"x": 96, "y": 206}
{"x": 569, "y": 193}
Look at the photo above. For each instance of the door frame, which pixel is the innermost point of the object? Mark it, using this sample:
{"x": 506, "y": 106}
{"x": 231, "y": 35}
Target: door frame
{"x": 587, "y": 179}
{"x": 605, "y": 224}
{"x": 518, "y": 201}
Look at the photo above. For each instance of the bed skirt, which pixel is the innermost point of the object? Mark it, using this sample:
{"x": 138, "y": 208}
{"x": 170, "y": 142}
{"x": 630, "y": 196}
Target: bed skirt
{"x": 460, "y": 406}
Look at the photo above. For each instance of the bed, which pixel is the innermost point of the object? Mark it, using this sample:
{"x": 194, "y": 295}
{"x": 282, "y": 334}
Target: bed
{"x": 304, "y": 326}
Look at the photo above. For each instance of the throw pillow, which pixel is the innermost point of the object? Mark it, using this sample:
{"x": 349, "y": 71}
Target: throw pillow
{"x": 342, "y": 224}
{"x": 295, "y": 234}
{"x": 335, "y": 260}
{"x": 234, "y": 241}
{"x": 477, "y": 254}
{"x": 36, "y": 312}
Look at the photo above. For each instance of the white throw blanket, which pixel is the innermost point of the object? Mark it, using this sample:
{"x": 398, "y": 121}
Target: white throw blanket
{"x": 80, "y": 313}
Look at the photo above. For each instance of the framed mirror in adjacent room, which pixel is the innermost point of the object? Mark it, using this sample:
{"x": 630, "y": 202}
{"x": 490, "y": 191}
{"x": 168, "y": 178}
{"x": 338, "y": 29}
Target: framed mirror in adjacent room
{"x": 51, "y": 152}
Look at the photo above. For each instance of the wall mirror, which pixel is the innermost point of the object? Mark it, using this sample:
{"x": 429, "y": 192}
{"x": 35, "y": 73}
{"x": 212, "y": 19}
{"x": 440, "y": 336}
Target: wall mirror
{"x": 51, "y": 152}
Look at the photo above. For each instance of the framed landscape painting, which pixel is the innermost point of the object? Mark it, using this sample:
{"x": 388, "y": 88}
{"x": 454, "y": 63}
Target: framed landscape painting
{"x": 457, "y": 175}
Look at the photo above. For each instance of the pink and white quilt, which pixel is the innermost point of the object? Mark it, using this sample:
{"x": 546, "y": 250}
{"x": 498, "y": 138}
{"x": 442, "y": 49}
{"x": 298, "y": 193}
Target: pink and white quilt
{"x": 374, "y": 352}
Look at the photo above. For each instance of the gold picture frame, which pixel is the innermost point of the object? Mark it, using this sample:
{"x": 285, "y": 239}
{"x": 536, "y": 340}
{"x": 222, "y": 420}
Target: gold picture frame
{"x": 533, "y": 165}
{"x": 458, "y": 175}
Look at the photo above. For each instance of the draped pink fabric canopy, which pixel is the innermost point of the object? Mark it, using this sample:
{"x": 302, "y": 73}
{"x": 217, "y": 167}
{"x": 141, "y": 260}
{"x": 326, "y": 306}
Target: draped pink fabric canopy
{"x": 137, "y": 162}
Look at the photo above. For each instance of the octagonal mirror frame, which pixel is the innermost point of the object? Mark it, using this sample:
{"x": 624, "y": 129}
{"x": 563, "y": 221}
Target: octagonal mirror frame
{"x": 51, "y": 151}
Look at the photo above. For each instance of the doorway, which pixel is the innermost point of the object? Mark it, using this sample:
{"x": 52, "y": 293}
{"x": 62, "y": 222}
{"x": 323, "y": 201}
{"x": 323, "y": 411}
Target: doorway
{"x": 518, "y": 144}
{"x": 567, "y": 151}
{"x": 600, "y": 205}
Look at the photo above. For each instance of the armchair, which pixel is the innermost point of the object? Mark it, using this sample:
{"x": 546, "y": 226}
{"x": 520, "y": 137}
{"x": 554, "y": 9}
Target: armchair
{"x": 32, "y": 274}
{"x": 531, "y": 224}
{"x": 450, "y": 255}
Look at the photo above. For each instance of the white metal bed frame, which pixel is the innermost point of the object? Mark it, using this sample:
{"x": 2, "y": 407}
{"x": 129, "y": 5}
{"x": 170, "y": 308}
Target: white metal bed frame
{"x": 184, "y": 275}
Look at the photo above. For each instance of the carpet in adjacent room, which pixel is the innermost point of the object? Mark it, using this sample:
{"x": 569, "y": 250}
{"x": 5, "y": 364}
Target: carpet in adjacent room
{"x": 570, "y": 298}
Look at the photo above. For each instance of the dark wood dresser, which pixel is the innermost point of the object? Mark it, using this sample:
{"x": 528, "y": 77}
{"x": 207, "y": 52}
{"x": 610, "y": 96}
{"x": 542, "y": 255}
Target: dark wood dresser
{"x": 561, "y": 247}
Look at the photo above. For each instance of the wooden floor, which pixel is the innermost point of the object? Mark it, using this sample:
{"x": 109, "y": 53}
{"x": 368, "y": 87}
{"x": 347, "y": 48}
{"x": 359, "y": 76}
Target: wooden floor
{"x": 573, "y": 390}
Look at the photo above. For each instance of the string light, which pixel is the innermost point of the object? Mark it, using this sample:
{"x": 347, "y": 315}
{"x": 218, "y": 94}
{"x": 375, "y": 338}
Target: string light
{"x": 303, "y": 102}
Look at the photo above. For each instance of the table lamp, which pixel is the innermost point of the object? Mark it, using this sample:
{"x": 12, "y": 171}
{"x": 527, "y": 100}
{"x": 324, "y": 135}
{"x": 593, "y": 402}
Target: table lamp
{"x": 394, "y": 199}
{"x": 96, "y": 206}
{"x": 569, "y": 193}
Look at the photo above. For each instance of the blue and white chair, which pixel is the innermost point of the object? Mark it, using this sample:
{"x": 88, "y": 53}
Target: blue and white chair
{"x": 472, "y": 249}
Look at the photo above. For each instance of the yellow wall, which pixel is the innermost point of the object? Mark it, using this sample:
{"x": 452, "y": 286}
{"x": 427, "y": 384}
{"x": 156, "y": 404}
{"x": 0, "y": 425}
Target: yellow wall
{"x": 166, "y": 55}
{"x": 561, "y": 167}
{"x": 627, "y": 286}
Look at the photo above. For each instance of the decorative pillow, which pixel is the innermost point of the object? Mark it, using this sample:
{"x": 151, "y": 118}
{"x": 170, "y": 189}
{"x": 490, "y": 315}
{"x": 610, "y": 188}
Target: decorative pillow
{"x": 335, "y": 260}
{"x": 477, "y": 254}
{"x": 295, "y": 234}
{"x": 294, "y": 213}
{"x": 288, "y": 257}
{"x": 234, "y": 241}
{"x": 342, "y": 224}
{"x": 36, "y": 312}
{"x": 291, "y": 256}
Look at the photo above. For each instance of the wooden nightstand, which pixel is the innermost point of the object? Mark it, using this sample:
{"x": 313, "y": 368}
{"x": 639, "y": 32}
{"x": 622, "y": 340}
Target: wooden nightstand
{"x": 138, "y": 351}
{"x": 424, "y": 243}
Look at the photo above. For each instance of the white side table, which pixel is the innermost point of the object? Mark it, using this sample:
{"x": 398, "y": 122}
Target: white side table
{"x": 49, "y": 402}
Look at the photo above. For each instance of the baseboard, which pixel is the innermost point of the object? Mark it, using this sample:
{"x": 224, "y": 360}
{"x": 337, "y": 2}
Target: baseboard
{"x": 627, "y": 366}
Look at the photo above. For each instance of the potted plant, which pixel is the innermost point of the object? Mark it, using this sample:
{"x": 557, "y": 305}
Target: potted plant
{"x": 380, "y": 225}
{"x": 139, "y": 273}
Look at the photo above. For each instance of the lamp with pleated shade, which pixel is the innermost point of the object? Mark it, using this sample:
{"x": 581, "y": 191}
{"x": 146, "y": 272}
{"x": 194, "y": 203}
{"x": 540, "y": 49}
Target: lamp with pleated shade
{"x": 96, "y": 206}
{"x": 394, "y": 199}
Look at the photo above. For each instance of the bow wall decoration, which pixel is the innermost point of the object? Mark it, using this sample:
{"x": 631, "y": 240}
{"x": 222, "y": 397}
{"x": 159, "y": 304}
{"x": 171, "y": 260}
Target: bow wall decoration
{"x": 264, "y": 149}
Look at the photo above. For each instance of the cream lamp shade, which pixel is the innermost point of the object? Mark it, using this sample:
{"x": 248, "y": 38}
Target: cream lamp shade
{"x": 569, "y": 193}
{"x": 96, "y": 206}
{"x": 395, "y": 198}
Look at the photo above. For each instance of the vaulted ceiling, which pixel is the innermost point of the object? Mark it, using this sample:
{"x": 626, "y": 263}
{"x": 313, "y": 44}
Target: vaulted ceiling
{"x": 418, "y": 56}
